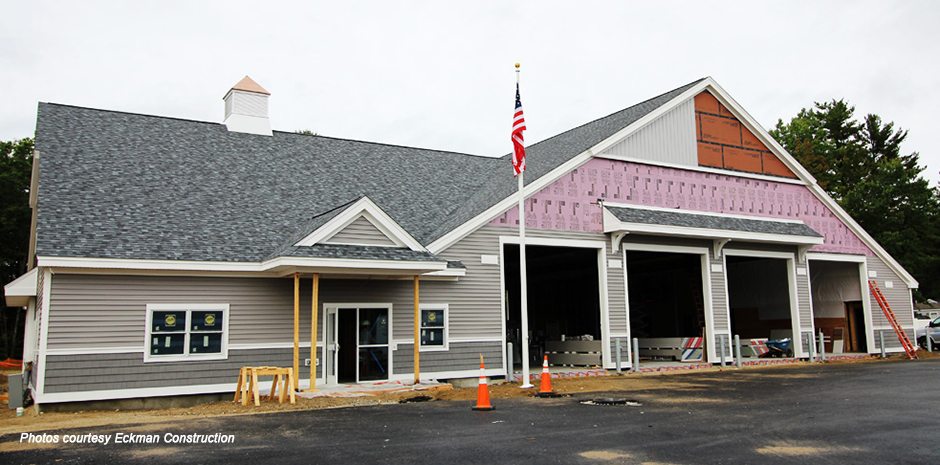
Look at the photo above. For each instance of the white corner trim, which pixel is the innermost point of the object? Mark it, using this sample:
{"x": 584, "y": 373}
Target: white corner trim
{"x": 44, "y": 329}
{"x": 366, "y": 208}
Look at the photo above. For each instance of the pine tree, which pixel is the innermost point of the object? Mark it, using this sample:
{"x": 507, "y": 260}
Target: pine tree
{"x": 861, "y": 164}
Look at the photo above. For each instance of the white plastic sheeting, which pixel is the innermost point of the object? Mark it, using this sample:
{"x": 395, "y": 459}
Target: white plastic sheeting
{"x": 832, "y": 284}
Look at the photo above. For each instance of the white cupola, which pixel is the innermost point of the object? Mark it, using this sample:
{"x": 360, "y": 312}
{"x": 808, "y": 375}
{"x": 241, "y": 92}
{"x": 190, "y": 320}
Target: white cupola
{"x": 246, "y": 108}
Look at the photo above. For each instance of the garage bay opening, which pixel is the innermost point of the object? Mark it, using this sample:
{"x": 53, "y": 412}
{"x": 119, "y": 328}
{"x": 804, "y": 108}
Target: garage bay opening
{"x": 760, "y": 307}
{"x": 837, "y": 305}
{"x": 563, "y": 308}
{"x": 667, "y": 310}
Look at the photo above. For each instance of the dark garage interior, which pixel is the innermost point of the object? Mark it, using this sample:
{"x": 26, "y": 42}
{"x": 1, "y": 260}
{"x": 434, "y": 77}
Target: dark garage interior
{"x": 563, "y": 298}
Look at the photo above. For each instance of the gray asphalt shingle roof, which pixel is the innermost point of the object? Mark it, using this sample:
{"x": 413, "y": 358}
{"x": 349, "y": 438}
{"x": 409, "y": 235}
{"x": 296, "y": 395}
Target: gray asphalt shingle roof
{"x": 124, "y": 185}
{"x": 691, "y": 220}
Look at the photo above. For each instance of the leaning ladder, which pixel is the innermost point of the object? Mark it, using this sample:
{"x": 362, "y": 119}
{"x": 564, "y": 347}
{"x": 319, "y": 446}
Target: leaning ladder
{"x": 889, "y": 314}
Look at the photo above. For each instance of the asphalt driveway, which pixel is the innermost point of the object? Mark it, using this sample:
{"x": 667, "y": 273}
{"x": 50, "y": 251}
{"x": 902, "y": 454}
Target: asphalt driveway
{"x": 871, "y": 413}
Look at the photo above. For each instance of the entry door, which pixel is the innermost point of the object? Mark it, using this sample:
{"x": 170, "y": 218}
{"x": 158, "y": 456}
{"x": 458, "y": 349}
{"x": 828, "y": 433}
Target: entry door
{"x": 356, "y": 342}
{"x": 331, "y": 347}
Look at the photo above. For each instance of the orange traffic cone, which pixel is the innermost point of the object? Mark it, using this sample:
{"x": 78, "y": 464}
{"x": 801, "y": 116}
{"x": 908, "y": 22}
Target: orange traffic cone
{"x": 483, "y": 390}
{"x": 545, "y": 388}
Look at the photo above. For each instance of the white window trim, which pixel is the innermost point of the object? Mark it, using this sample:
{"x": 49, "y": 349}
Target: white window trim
{"x": 446, "y": 345}
{"x": 186, "y": 357}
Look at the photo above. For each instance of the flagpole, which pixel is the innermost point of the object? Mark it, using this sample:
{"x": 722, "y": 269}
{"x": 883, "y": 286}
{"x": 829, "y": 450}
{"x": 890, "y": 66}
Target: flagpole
{"x": 523, "y": 285}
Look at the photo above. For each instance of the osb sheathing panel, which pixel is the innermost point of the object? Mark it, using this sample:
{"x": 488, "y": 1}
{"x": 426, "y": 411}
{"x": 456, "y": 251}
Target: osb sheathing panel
{"x": 723, "y": 142}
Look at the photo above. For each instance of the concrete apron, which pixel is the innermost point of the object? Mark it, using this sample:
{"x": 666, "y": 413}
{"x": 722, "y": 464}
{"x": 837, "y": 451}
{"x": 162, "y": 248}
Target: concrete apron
{"x": 663, "y": 366}
{"x": 367, "y": 389}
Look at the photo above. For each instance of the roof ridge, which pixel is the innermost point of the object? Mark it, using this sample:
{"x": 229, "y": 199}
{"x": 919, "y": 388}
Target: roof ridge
{"x": 388, "y": 145}
{"x": 291, "y": 133}
{"x": 190, "y": 120}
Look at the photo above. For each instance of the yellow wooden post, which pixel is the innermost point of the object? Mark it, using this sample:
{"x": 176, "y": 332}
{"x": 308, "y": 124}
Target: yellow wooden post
{"x": 417, "y": 341}
{"x": 296, "y": 328}
{"x": 313, "y": 332}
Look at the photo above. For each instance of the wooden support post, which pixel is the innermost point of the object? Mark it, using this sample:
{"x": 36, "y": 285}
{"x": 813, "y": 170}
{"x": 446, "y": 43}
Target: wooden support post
{"x": 296, "y": 328}
{"x": 417, "y": 341}
{"x": 313, "y": 332}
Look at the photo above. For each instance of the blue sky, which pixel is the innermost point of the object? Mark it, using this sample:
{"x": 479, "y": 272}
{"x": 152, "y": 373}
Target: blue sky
{"x": 440, "y": 75}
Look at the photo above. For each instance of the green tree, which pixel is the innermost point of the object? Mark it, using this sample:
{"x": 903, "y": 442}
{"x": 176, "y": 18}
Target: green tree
{"x": 16, "y": 158}
{"x": 862, "y": 165}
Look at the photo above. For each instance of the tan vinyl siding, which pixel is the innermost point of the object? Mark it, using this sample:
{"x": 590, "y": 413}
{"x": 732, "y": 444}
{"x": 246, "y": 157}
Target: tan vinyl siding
{"x": 360, "y": 231}
{"x": 899, "y": 298}
{"x": 100, "y": 372}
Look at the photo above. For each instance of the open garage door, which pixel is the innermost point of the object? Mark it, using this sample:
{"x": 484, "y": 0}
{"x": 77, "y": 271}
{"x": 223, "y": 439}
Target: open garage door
{"x": 761, "y": 306}
{"x": 564, "y": 314}
{"x": 667, "y": 305}
{"x": 838, "y": 308}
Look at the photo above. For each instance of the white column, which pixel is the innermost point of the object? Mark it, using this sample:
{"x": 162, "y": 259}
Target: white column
{"x": 523, "y": 288}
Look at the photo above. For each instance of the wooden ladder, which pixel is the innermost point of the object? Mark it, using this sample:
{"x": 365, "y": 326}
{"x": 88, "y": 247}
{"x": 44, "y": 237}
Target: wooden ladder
{"x": 909, "y": 348}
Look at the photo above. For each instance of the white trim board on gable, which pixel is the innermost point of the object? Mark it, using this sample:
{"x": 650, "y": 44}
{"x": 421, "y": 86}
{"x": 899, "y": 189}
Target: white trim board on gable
{"x": 362, "y": 208}
{"x": 598, "y": 150}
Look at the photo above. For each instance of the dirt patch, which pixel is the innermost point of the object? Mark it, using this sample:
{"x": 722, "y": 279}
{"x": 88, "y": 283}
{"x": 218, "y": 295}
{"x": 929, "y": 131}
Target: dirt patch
{"x": 605, "y": 455}
{"x": 802, "y": 449}
{"x": 154, "y": 452}
{"x": 17, "y": 446}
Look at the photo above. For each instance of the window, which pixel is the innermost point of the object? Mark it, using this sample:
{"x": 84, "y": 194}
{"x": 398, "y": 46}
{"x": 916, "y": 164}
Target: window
{"x": 186, "y": 332}
{"x": 434, "y": 327}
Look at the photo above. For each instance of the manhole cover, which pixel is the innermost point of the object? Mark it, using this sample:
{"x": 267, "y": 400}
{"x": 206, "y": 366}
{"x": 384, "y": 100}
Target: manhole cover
{"x": 610, "y": 401}
{"x": 415, "y": 399}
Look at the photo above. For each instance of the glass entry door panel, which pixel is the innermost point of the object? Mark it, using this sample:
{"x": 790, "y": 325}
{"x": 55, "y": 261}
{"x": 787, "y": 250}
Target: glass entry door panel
{"x": 356, "y": 343}
{"x": 373, "y": 344}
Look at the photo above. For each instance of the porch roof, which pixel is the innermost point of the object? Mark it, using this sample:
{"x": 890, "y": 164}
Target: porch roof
{"x": 647, "y": 220}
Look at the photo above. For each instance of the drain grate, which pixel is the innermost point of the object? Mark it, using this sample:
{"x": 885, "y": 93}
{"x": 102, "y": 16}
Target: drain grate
{"x": 610, "y": 401}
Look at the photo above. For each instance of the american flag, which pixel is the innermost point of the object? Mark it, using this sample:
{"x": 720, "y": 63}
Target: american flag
{"x": 518, "y": 145}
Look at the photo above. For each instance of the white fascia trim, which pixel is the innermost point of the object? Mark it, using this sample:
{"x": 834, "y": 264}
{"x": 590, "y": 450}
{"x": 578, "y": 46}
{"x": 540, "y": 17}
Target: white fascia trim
{"x": 639, "y": 247}
{"x": 478, "y": 221}
{"x": 835, "y": 257}
{"x": 702, "y": 213}
{"x": 254, "y": 267}
{"x": 803, "y": 174}
{"x": 545, "y": 241}
{"x": 738, "y": 174}
{"x": 758, "y": 253}
{"x": 367, "y": 209}
{"x": 703, "y": 233}
{"x": 20, "y": 290}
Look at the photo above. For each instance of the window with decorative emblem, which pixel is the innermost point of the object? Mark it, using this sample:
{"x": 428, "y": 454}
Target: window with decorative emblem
{"x": 186, "y": 332}
{"x": 433, "y": 326}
